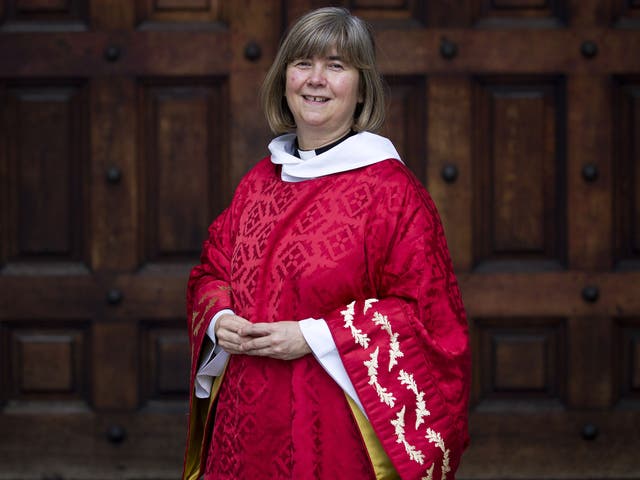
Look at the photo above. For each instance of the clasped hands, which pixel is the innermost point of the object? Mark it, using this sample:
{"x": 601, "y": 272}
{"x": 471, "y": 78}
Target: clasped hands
{"x": 281, "y": 340}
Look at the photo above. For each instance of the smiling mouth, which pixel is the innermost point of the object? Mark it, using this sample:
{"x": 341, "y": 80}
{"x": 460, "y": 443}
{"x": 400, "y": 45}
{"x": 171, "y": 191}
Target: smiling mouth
{"x": 315, "y": 99}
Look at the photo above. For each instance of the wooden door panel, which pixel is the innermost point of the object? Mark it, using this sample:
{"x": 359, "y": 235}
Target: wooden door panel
{"x": 552, "y": 445}
{"x": 523, "y": 13}
{"x": 149, "y": 12}
{"x": 519, "y": 174}
{"x": 45, "y": 139}
{"x": 406, "y": 119}
{"x": 626, "y": 13}
{"x": 47, "y": 364}
{"x": 521, "y": 363}
{"x": 36, "y": 14}
{"x": 164, "y": 356}
{"x": 627, "y": 362}
{"x": 626, "y": 173}
{"x": 183, "y": 129}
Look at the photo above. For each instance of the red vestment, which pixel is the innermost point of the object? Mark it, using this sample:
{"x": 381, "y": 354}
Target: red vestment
{"x": 364, "y": 250}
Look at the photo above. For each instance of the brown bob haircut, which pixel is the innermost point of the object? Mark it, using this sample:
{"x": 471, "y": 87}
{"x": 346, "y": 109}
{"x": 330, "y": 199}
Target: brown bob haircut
{"x": 315, "y": 34}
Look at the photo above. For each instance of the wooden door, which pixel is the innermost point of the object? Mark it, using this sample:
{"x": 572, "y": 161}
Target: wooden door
{"x": 522, "y": 118}
{"x": 123, "y": 127}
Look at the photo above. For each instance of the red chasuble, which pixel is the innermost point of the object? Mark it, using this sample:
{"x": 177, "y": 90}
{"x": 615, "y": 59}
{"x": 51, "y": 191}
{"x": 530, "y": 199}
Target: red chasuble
{"x": 365, "y": 251}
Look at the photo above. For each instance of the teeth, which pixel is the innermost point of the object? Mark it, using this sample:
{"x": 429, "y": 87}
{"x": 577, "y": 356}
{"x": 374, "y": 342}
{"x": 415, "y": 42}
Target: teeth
{"x": 315, "y": 99}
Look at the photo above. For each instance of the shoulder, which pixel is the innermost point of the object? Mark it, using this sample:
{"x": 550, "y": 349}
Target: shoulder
{"x": 396, "y": 188}
{"x": 393, "y": 175}
{"x": 252, "y": 181}
{"x": 262, "y": 170}
{"x": 264, "y": 167}
{"x": 391, "y": 171}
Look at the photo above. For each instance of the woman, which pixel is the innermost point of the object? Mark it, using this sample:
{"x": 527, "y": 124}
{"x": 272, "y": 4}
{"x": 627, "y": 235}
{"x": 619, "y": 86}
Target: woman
{"x": 328, "y": 335}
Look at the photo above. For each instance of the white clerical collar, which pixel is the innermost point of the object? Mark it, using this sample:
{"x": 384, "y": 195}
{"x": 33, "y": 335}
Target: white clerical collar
{"x": 306, "y": 154}
{"x": 357, "y": 151}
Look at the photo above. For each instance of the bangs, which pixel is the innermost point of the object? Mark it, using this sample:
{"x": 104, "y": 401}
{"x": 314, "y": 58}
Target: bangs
{"x": 320, "y": 42}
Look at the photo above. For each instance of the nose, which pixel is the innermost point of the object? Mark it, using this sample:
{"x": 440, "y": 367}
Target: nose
{"x": 316, "y": 75}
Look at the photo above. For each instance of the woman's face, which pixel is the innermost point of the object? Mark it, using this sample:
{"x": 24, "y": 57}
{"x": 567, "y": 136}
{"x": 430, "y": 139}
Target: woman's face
{"x": 322, "y": 93}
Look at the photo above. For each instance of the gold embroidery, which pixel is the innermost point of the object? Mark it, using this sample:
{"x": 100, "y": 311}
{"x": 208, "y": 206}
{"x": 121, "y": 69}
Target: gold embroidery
{"x": 211, "y": 303}
{"x": 414, "y": 454}
{"x": 361, "y": 338}
{"x": 429, "y": 473}
{"x": 405, "y": 378}
{"x": 435, "y": 438}
{"x": 368, "y": 303}
{"x": 394, "y": 345}
{"x": 421, "y": 408}
{"x": 372, "y": 371}
{"x": 200, "y": 322}
{"x": 196, "y": 326}
{"x": 445, "y": 465}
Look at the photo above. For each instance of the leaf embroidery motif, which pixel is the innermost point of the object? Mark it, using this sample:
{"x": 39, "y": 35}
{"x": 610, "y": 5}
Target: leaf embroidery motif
{"x": 414, "y": 454}
{"x": 429, "y": 473}
{"x": 435, "y": 438}
{"x": 372, "y": 370}
{"x": 394, "y": 345}
{"x": 421, "y": 408}
{"x": 368, "y": 303}
{"x": 361, "y": 338}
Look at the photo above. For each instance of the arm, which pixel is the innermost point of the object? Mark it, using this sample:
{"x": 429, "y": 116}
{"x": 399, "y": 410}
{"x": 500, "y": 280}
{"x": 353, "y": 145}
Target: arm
{"x": 208, "y": 288}
{"x": 406, "y": 349}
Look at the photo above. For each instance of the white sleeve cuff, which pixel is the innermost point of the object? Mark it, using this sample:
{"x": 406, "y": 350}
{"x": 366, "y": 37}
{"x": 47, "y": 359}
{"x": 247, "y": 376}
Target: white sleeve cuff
{"x": 213, "y": 361}
{"x": 211, "y": 332}
{"x": 318, "y": 336}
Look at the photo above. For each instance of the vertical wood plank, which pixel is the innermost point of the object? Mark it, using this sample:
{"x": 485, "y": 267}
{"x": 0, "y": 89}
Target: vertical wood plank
{"x": 449, "y": 13}
{"x": 449, "y": 143}
{"x": 249, "y": 133}
{"x": 626, "y": 174}
{"x": 6, "y": 185}
{"x": 584, "y": 13}
{"x": 590, "y": 362}
{"x": 112, "y": 14}
{"x": 589, "y": 143}
{"x": 115, "y": 365}
{"x": 114, "y": 201}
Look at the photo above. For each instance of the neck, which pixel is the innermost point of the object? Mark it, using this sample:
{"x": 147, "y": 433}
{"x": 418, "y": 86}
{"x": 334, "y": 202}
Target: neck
{"x": 310, "y": 142}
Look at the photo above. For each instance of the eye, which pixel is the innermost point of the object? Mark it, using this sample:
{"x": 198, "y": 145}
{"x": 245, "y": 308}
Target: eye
{"x": 301, "y": 63}
{"x": 336, "y": 66}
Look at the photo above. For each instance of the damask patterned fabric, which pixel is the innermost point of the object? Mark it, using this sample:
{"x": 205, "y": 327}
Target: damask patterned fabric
{"x": 365, "y": 250}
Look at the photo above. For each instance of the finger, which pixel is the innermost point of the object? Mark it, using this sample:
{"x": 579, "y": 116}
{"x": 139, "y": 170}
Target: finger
{"x": 256, "y": 343}
{"x": 231, "y": 323}
{"x": 256, "y": 329}
{"x": 263, "y": 352}
{"x": 234, "y": 344}
{"x": 239, "y": 322}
